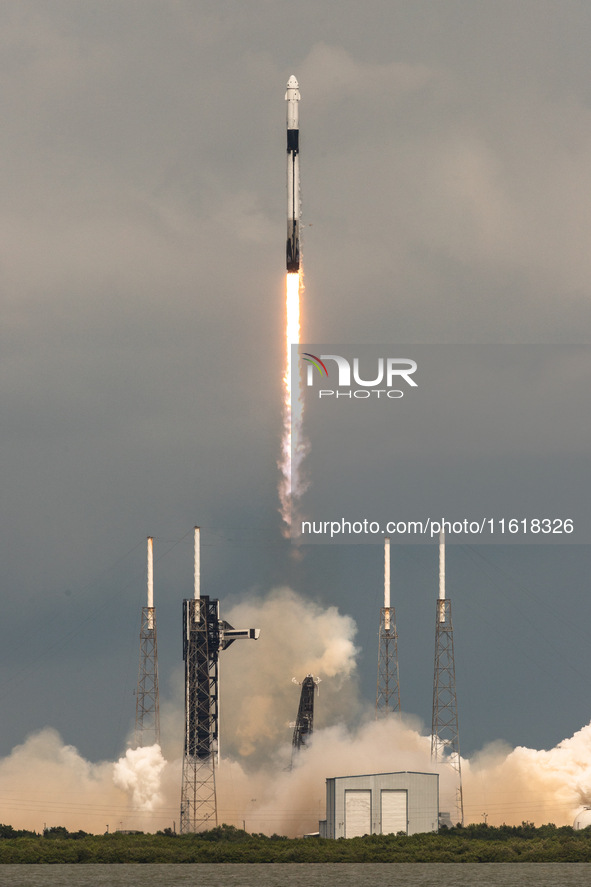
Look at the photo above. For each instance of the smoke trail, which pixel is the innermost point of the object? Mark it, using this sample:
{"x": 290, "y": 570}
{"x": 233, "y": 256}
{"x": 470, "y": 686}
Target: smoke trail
{"x": 294, "y": 446}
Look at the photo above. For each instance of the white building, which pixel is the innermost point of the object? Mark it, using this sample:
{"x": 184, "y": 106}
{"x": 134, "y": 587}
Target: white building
{"x": 381, "y": 804}
{"x": 583, "y": 820}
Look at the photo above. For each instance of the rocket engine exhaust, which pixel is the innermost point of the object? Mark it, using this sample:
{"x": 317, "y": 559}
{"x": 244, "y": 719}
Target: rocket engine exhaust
{"x": 293, "y": 444}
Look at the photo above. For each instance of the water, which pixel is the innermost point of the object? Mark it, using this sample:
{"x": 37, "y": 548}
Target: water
{"x": 309, "y": 875}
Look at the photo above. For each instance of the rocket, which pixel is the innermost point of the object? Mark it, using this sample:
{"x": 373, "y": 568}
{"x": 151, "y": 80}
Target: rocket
{"x": 292, "y": 97}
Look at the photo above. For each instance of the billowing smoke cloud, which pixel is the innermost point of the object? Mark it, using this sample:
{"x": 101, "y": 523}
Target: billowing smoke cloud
{"x": 139, "y": 773}
{"x": 526, "y": 784}
{"x": 298, "y": 637}
{"x": 509, "y": 785}
{"x": 292, "y": 802}
{"x": 45, "y": 781}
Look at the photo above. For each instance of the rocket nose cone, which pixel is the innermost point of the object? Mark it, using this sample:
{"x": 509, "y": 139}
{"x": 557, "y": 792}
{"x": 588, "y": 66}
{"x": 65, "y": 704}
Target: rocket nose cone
{"x": 292, "y": 83}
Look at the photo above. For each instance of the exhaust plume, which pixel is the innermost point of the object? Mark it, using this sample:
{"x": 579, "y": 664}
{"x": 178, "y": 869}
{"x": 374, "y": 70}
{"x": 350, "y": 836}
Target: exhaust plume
{"x": 294, "y": 445}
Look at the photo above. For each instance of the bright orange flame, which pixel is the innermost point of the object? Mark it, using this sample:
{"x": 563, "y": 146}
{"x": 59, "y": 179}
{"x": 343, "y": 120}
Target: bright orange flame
{"x": 293, "y": 409}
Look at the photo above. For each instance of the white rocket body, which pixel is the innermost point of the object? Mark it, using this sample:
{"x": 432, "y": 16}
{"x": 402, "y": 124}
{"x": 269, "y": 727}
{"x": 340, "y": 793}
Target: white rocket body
{"x": 292, "y": 97}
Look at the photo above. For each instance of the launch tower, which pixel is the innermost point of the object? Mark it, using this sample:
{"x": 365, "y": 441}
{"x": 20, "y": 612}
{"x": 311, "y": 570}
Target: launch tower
{"x": 147, "y": 708}
{"x": 204, "y": 636}
{"x": 445, "y": 736}
{"x": 388, "y": 689}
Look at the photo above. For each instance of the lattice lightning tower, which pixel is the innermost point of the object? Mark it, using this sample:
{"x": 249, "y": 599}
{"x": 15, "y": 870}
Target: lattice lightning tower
{"x": 147, "y": 707}
{"x": 445, "y": 735}
{"x": 204, "y": 635}
{"x": 388, "y": 689}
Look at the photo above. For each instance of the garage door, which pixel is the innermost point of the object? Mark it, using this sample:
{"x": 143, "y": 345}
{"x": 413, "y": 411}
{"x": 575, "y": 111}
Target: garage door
{"x": 394, "y": 817}
{"x": 357, "y": 814}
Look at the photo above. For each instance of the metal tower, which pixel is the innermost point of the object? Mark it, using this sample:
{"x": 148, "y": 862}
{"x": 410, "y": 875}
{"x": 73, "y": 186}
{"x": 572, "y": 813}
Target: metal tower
{"x": 445, "y": 735}
{"x": 388, "y": 689}
{"x": 204, "y": 635}
{"x": 304, "y": 726}
{"x": 147, "y": 707}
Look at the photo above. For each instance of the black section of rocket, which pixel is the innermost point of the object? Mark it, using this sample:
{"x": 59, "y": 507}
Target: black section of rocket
{"x": 292, "y": 97}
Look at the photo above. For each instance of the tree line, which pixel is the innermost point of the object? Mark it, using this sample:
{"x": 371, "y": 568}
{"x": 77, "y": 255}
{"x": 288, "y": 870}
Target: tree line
{"x": 226, "y": 843}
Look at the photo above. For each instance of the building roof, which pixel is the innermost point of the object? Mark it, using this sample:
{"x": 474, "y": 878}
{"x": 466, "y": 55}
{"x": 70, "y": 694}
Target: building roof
{"x": 387, "y": 773}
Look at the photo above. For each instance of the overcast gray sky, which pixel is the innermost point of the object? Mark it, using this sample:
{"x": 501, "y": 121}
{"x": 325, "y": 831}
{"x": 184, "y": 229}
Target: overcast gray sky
{"x": 446, "y": 182}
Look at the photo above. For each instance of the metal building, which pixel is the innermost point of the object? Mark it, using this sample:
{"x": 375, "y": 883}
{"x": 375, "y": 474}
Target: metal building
{"x": 381, "y": 804}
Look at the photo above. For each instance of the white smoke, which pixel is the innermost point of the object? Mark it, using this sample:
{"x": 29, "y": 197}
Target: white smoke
{"x": 298, "y": 637}
{"x": 45, "y": 781}
{"x": 292, "y": 802}
{"x": 526, "y": 784}
{"x": 509, "y": 785}
{"x": 139, "y": 773}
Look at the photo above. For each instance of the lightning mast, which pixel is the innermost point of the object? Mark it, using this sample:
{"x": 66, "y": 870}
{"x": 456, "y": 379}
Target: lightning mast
{"x": 204, "y": 635}
{"x": 388, "y": 689}
{"x": 147, "y": 708}
{"x": 445, "y": 735}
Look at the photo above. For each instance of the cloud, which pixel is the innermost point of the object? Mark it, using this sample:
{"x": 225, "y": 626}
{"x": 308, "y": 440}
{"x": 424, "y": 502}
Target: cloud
{"x": 331, "y": 74}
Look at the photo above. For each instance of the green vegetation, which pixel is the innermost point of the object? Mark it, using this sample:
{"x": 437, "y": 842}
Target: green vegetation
{"x": 474, "y": 843}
